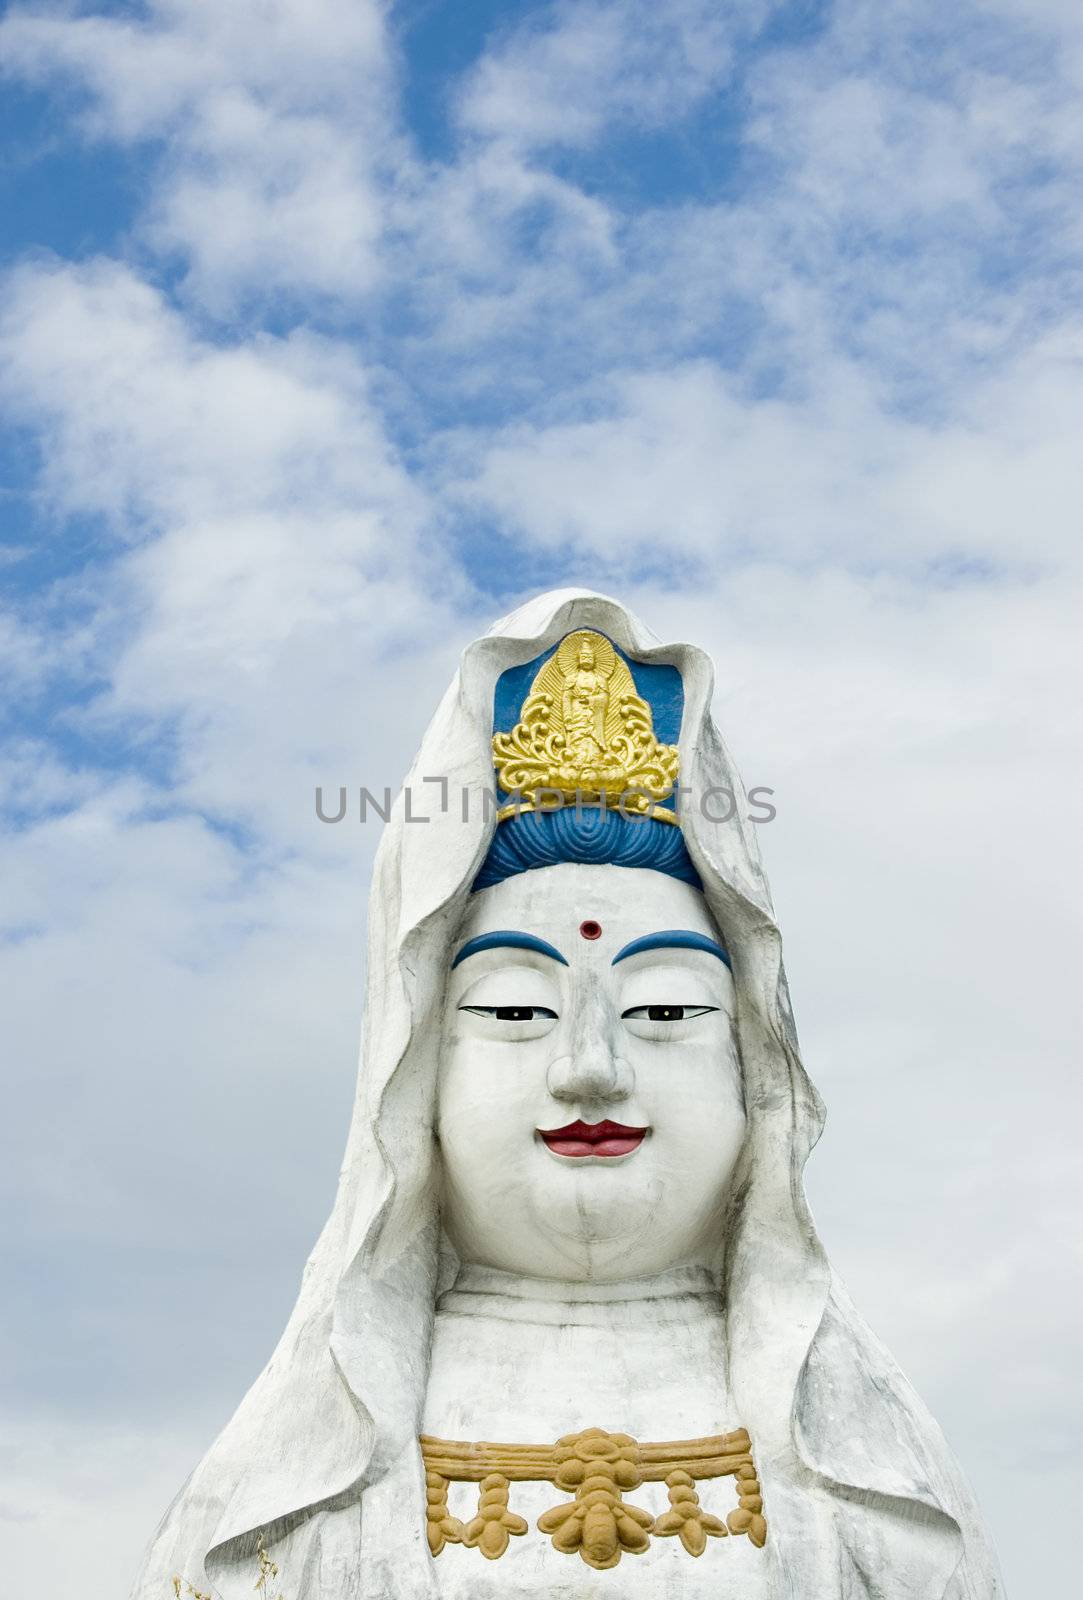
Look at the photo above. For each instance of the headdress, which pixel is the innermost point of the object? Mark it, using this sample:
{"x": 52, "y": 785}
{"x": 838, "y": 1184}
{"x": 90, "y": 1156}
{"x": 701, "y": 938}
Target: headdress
{"x": 584, "y": 762}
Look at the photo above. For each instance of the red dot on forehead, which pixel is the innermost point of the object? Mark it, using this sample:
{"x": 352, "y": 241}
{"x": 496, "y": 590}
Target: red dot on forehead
{"x": 590, "y": 929}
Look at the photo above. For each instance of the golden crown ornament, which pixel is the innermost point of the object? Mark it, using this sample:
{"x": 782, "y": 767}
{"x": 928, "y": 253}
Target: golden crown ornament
{"x": 585, "y": 735}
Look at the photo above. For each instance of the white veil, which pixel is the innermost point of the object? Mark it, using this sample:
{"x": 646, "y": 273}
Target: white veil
{"x": 864, "y": 1496}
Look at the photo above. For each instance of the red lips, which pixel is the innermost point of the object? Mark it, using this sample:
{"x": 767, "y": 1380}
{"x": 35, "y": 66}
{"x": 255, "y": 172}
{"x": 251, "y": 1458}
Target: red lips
{"x": 593, "y": 1139}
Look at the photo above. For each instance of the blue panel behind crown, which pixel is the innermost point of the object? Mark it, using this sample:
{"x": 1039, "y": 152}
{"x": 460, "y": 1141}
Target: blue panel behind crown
{"x": 661, "y": 687}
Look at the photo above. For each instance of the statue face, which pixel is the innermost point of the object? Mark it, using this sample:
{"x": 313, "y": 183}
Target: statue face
{"x": 590, "y": 1110}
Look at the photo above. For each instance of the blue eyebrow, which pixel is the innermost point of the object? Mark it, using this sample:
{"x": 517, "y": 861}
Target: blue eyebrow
{"x": 507, "y": 938}
{"x": 674, "y": 938}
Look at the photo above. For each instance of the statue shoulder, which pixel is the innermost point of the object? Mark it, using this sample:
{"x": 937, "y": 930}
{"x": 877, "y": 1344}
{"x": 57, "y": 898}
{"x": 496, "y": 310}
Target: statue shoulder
{"x": 860, "y": 1423}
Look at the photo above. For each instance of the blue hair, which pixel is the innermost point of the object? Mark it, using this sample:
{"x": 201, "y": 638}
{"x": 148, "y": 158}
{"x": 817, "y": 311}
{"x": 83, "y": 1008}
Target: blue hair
{"x": 589, "y": 834}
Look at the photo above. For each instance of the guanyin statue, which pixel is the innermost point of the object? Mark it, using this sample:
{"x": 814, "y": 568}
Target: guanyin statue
{"x": 569, "y": 1330}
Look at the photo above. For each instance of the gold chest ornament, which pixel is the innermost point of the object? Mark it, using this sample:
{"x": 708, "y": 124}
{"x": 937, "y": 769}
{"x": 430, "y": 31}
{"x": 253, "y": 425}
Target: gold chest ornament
{"x": 598, "y": 1525}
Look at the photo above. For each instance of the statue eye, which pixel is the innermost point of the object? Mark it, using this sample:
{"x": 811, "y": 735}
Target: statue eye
{"x": 665, "y": 1013}
{"x": 512, "y": 1013}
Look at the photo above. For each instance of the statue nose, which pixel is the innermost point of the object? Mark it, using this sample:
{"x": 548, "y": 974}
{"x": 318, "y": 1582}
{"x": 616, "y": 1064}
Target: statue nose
{"x": 593, "y": 1070}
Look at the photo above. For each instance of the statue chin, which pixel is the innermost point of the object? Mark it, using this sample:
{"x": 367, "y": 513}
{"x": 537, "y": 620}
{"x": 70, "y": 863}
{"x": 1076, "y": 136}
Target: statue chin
{"x": 574, "y": 1231}
{"x": 601, "y": 1233}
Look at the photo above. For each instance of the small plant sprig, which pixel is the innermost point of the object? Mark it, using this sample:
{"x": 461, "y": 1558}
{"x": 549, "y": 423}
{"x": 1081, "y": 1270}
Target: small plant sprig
{"x": 181, "y": 1587}
{"x": 268, "y": 1570}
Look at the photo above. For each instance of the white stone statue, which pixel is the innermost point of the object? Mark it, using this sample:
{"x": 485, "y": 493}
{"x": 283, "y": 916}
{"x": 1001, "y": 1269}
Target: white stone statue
{"x": 569, "y": 1330}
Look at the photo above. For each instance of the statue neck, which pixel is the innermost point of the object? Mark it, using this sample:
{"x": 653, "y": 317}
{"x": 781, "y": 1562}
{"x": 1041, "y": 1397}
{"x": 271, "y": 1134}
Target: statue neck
{"x": 681, "y": 1294}
{"x": 531, "y": 1359}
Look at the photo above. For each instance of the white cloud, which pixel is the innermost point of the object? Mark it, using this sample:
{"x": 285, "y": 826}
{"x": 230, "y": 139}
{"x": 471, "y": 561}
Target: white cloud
{"x": 34, "y": 781}
{"x": 565, "y": 76}
{"x": 19, "y": 649}
{"x": 147, "y": 73}
{"x": 920, "y": 222}
{"x": 146, "y": 420}
{"x": 686, "y": 457}
{"x": 149, "y": 424}
{"x": 76, "y": 1513}
{"x": 278, "y": 120}
{"x": 950, "y": 168}
{"x": 279, "y": 544}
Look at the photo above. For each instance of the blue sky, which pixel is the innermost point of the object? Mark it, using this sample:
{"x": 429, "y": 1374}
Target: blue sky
{"x": 328, "y": 332}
